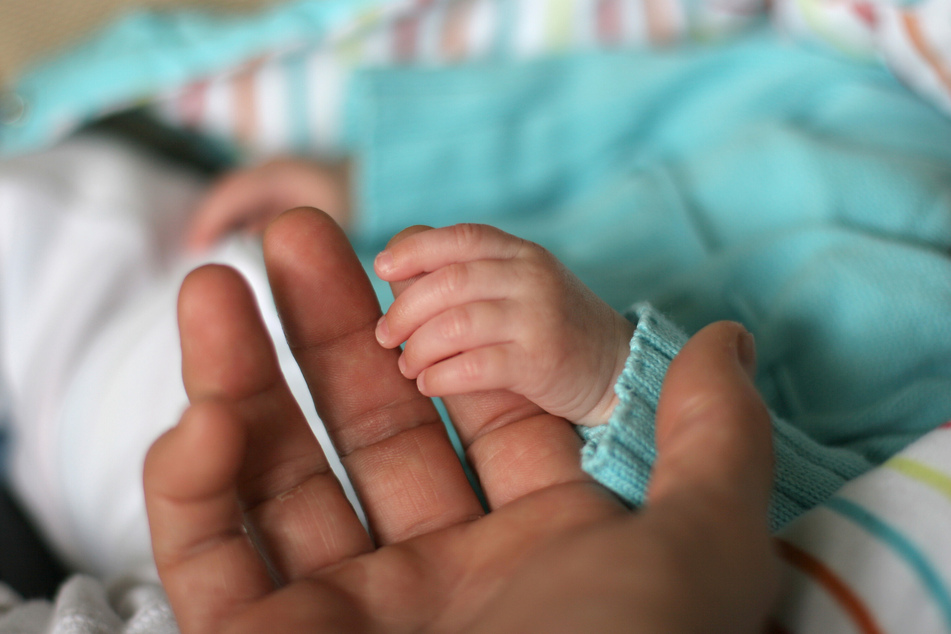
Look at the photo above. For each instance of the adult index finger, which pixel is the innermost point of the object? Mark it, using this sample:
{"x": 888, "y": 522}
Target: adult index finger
{"x": 390, "y": 438}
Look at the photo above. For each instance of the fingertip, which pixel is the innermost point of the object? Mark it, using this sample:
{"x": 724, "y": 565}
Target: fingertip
{"x": 305, "y": 234}
{"x": 208, "y": 290}
{"x": 197, "y": 275}
{"x": 382, "y": 332}
{"x": 383, "y": 265}
{"x": 296, "y": 221}
{"x": 713, "y": 430}
{"x": 387, "y": 265}
{"x": 226, "y": 349}
{"x": 315, "y": 278}
{"x": 406, "y": 233}
{"x": 721, "y": 356}
{"x": 401, "y": 364}
{"x": 732, "y": 341}
{"x": 746, "y": 352}
{"x": 203, "y": 288}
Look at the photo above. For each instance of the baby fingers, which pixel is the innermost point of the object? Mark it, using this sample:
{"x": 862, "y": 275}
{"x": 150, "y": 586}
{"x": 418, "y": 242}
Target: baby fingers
{"x": 452, "y": 285}
{"x": 427, "y": 251}
{"x": 496, "y": 367}
{"x": 457, "y": 330}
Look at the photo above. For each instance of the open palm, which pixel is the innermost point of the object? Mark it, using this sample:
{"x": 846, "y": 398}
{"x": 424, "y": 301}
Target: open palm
{"x": 252, "y": 532}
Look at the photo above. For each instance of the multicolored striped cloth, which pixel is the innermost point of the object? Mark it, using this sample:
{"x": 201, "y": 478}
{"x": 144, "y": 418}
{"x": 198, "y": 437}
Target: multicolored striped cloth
{"x": 875, "y": 557}
{"x": 294, "y": 101}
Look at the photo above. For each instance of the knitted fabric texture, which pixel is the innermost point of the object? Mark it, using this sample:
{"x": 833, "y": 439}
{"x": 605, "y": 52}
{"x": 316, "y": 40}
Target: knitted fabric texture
{"x": 621, "y": 453}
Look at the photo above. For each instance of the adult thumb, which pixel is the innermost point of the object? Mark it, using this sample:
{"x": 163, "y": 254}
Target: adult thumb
{"x": 713, "y": 431}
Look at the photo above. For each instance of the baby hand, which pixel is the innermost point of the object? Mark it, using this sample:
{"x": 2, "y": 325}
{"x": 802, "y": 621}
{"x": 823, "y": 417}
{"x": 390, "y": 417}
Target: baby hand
{"x": 492, "y": 311}
{"x": 249, "y": 199}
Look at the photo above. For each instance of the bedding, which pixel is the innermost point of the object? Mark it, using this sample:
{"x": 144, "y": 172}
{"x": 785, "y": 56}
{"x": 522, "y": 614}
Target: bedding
{"x": 150, "y": 53}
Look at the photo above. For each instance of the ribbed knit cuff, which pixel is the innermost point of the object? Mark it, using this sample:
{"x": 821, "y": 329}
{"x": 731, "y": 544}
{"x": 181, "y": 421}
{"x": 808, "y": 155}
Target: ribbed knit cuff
{"x": 620, "y": 454}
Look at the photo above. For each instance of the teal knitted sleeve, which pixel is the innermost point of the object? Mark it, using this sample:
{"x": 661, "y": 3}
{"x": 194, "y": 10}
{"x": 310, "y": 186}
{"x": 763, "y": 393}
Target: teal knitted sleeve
{"x": 621, "y": 453}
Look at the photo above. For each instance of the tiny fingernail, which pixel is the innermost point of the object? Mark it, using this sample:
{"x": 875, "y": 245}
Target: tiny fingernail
{"x": 382, "y": 331}
{"x": 421, "y": 383}
{"x": 383, "y": 261}
{"x": 401, "y": 362}
{"x": 746, "y": 351}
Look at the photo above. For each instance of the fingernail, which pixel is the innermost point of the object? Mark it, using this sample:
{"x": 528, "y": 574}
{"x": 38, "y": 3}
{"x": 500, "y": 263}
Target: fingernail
{"x": 401, "y": 362}
{"x": 382, "y": 331}
{"x": 383, "y": 261}
{"x": 746, "y": 352}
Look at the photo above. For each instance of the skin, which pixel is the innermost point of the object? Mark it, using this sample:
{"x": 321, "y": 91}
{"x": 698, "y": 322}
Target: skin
{"x": 251, "y": 532}
{"x": 248, "y": 199}
{"x": 487, "y": 310}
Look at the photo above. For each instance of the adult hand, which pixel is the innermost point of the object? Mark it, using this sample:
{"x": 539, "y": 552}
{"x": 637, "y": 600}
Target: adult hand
{"x": 251, "y": 532}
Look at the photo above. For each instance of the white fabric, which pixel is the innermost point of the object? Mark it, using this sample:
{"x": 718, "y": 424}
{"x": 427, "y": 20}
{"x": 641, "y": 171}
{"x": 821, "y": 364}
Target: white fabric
{"x": 90, "y": 267}
{"x": 84, "y": 606}
{"x": 875, "y": 558}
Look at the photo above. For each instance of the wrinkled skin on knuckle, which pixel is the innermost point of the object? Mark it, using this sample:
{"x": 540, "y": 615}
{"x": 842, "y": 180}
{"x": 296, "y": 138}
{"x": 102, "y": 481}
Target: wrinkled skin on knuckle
{"x": 473, "y": 368}
{"x": 452, "y": 280}
{"x": 468, "y": 235}
{"x": 455, "y": 324}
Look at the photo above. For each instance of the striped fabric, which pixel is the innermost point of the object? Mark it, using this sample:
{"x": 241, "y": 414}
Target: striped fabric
{"x": 874, "y": 558}
{"x": 293, "y": 101}
{"x": 912, "y": 38}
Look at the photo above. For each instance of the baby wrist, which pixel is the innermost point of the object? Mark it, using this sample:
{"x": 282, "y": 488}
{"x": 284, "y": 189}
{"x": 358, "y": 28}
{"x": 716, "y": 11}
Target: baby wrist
{"x": 600, "y": 413}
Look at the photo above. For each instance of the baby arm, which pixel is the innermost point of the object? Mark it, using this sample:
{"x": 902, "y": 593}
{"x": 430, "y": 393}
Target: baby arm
{"x": 488, "y": 311}
{"x": 249, "y": 198}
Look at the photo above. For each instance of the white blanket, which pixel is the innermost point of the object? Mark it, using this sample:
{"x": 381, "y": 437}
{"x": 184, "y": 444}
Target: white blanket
{"x": 90, "y": 266}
